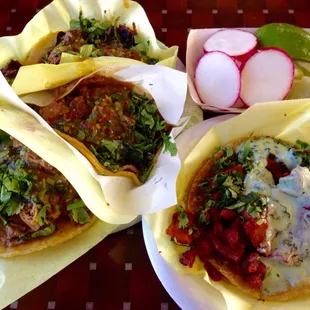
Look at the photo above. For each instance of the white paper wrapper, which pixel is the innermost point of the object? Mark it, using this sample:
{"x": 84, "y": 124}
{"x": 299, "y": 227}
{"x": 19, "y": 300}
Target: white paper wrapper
{"x": 17, "y": 275}
{"x": 42, "y": 139}
{"x": 56, "y": 17}
{"x": 194, "y": 52}
{"x": 168, "y": 87}
{"x": 284, "y": 120}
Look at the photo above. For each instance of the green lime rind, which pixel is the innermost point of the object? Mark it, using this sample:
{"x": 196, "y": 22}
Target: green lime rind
{"x": 294, "y": 40}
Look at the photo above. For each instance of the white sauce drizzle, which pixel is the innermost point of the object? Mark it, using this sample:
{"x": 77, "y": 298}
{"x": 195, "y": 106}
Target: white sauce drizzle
{"x": 287, "y": 243}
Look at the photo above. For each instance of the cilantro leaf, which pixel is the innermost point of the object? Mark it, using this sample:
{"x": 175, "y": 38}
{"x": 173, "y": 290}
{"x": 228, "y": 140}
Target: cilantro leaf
{"x": 44, "y": 232}
{"x": 86, "y": 50}
{"x": 183, "y": 219}
{"x": 146, "y": 173}
{"x": 303, "y": 145}
{"x": 170, "y": 147}
{"x": 13, "y": 207}
{"x": 75, "y": 205}
{"x": 148, "y": 119}
{"x": 246, "y": 149}
{"x": 75, "y": 24}
{"x": 111, "y": 145}
{"x": 80, "y": 215}
{"x": 41, "y": 216}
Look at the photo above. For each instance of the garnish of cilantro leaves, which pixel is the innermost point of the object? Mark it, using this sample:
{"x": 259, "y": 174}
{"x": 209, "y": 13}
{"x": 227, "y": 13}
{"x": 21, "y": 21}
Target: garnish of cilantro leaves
{"x": 302, "y": 151}
{"x": 100, "y": 31}
{"x": 151, "y": 133}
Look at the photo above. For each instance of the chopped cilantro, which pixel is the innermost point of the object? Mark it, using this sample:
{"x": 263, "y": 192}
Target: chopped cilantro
{"x": 80, "y": 215}
{"x": 44, "y": 232}
{"x": 170, "y": 147}
{"x": 203, "y": 219}
{"x": 112, "y": 146}
{"x": 13, "y": 207}
{"x": 86, "y": 50}
{"x": 303, "y": 145}
{"x": 146, "y": 173}
{"x": 183, "y": 220}
{"x": 246, "y": 149}
{"x": 75, "y": 205}
{"x": 41, "y": 217}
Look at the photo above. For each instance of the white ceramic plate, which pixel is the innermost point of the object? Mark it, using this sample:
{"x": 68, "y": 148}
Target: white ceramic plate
{"x": 188, "y": 291}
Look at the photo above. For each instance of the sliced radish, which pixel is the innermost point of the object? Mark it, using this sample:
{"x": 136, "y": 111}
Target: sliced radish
{"x": 217, "y": 80}
{"x": 267, "y": 76}
{"x": 235, "y": 43}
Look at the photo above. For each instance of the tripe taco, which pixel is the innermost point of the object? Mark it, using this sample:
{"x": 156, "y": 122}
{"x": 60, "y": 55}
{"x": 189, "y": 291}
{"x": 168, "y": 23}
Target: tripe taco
{"x": 38, "y": 206}
{"x": 246, "y": 217}
{"x": 115, "y": 125}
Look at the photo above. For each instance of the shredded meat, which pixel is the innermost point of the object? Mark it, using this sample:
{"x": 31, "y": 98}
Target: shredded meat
{"x": 11, "y": 69}
{"x": 126, "y": 36}
{"x": 74, "y": 37}
{"x": 28, "y": 215}
{"x": 11, "y": 234}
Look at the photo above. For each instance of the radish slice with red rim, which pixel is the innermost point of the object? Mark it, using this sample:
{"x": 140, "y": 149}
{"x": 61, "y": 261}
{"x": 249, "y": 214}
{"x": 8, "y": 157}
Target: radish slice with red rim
{"x": 217, "y": 80}
{"x": 234, "y": 42}
{"x": 267, "y": 76}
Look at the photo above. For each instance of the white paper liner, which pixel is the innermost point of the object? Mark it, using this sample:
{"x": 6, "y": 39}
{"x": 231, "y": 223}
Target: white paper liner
{"x": 168, "y": 87}
{"x": 284, "y": 120}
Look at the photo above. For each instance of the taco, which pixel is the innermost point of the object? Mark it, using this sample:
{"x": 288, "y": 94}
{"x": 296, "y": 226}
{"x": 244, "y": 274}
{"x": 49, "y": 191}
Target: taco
{"x": 246, "y": 217}
{"x": 115, "y": 125}
{"x": 86, "y": 38}
{"x": 38, "y": 206}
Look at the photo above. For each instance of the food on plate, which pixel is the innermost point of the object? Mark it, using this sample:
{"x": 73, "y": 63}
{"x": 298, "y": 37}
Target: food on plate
{"x": 246, "y": 217}
{"x": 87, "y": 38}
{"x": 39, "y": 207}
{"x": 294, "y": 40}
{"x": 217, "y": 79}
{"x": 267, "y": 76}
{"x": 236, "y": 43}
{"x": 116, "y": 125}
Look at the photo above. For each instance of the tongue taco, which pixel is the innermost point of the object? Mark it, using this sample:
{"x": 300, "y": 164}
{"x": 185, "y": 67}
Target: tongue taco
{"x": 116, "y": 126}
{"x": 246, "y": 218}
{"x": 38, "y": 206}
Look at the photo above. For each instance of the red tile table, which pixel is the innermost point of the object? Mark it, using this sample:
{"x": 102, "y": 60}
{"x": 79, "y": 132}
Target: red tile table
{"x": 117, "y": 273}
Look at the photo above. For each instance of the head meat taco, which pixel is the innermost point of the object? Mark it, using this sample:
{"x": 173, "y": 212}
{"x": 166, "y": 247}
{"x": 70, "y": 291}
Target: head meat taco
{"x": 38, "y": 206}
{"x": 86, "y": 38}
{"x": 114, "y": 124}
{"x": 246, "y": 217}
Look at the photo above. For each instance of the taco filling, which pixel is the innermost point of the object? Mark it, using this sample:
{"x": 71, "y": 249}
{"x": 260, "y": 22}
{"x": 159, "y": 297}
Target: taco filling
{"x": 246, "y": 216}
{"x": 89, "y": 38}
{"x": 121, "y": 128}
{"x": 36, "y": 200}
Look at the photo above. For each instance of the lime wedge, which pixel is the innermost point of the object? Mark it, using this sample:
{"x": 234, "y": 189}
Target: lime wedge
{"x": 300, "y": 89}
{"x": 294, "y": 40}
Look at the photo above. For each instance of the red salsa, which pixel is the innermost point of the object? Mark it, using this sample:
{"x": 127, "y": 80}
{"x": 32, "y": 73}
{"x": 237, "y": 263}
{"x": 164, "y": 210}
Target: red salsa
{"x": 120, "y": 126}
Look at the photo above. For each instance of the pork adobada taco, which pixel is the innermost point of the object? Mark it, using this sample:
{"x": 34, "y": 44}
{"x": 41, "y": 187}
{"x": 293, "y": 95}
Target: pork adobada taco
{"x": 116, "y": 126}
{"x": 86, "y": 38}
{"x": 246, "y": 216}
{"x": 38, "y": 206}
